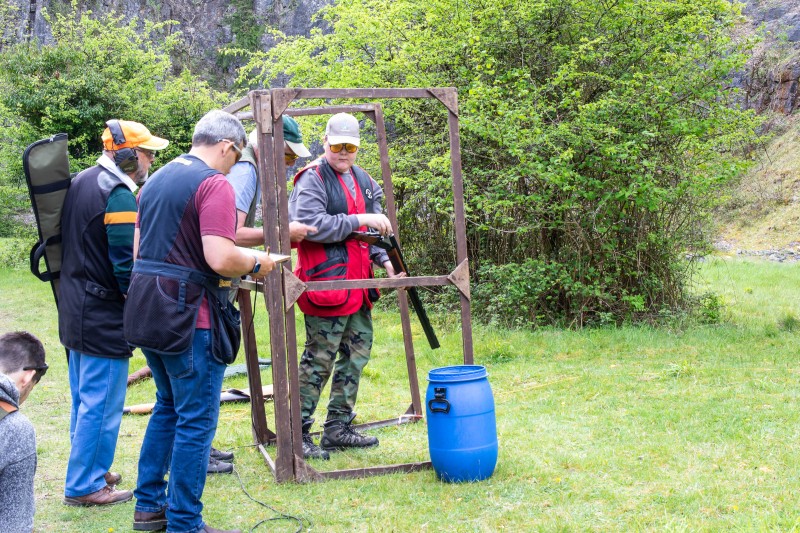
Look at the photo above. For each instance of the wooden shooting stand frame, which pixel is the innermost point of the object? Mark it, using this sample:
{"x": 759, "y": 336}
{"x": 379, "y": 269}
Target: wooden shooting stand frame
{"x": 282, "y": 291}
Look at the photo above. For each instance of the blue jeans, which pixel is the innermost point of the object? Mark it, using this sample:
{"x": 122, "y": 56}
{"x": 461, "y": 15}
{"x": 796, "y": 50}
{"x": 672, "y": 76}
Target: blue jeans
{"x": 97, "y": 385}
{"x": 179, "y": 434}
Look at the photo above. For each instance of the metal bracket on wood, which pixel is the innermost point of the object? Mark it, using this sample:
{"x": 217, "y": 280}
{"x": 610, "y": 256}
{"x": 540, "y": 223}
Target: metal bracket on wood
{"x": 447, "y": 96}
{"x": 460, "y": 278}
{"x": 281, "y": 98}
{"x": 304, "y": 472}
{"x": 293, "y": 287}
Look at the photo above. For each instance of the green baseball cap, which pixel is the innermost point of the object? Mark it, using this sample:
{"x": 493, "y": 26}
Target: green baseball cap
{"x": 293, "y": 137}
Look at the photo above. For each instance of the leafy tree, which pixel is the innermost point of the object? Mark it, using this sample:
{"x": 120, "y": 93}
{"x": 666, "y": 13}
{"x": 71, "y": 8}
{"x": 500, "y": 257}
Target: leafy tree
{"x": 596, "y": 135}
{"x": 95, "y": 69}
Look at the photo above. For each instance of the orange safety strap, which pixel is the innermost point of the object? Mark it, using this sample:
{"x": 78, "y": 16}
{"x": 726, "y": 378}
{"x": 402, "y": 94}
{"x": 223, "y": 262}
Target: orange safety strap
{"x": 6, "y": 409}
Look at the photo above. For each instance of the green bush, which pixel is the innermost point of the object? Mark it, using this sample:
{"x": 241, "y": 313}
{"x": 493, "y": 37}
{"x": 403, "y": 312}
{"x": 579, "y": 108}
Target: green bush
{"x": 536, "y": 293}
{"x": 596, "y": 137}
{"x": 709, "y": 308}
{"x": 517, "y": 294}
{"x": 15, "y": 253}
{"x": 16, "y": 216}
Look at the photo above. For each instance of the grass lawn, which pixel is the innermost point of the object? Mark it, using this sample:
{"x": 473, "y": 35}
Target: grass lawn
{"x": 630, "y": 428}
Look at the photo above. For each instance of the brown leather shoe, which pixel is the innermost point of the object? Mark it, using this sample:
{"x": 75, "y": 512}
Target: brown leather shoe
{"x": 112, "y": 478}
{"x": 209, "y": 529}
{"x": 105, "y": 496}
{"x": 144, "y": 521}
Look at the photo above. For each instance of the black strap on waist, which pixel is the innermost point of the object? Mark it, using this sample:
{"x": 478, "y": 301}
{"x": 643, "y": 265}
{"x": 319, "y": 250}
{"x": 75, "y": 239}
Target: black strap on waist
{"x": 217, "y": 286}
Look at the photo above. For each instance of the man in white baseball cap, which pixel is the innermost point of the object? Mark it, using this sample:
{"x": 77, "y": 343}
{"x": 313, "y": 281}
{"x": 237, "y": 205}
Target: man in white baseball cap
{"x": 343, "y": 128}
{"x": 337, "y": 197}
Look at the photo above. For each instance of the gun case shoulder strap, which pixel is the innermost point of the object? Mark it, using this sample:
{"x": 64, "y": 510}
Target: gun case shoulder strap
{"x": 46, "y": 166}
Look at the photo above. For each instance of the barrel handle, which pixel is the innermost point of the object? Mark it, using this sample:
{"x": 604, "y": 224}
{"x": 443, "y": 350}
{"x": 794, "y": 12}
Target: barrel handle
{"x": 433, "y": 409}
{"x": 439, "y": 395}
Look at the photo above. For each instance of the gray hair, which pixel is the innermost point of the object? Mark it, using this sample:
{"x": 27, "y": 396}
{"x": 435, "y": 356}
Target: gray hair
{"x": 216, "y": 125}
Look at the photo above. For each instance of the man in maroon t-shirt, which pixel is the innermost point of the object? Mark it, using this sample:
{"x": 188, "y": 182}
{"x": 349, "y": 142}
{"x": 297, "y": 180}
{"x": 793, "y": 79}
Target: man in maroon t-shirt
{"x": 184, "y": 249}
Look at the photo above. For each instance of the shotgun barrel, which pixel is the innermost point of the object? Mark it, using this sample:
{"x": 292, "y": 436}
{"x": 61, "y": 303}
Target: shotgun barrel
{"x": 392, "y": 248}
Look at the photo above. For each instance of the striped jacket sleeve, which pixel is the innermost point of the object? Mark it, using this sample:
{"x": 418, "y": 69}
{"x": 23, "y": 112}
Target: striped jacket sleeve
{"x": 120, "y": 218}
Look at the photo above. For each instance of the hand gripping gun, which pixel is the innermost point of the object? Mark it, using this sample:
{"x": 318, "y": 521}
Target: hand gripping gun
{"x": 392, "y": 248}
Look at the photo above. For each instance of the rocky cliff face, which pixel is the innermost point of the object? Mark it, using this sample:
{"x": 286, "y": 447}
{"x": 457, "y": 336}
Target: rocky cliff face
{"x": 771, "y": 80}
{"x": 778, "y": 17}
{"x": 207, "y": 25}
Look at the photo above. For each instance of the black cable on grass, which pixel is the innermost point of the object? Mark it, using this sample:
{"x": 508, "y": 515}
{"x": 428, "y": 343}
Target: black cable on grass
{"x": 300, "y": 521}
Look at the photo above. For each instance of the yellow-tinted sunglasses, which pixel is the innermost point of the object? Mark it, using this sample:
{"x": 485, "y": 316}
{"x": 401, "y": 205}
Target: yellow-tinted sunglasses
{"x": 336, "y": 148}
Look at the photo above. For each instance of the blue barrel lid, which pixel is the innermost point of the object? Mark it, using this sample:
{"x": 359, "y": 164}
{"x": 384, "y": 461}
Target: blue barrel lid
{"x": 452, "y": 374}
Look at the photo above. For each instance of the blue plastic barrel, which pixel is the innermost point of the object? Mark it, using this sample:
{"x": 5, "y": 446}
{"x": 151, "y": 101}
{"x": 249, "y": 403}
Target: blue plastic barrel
{"x": 462, "y": 431}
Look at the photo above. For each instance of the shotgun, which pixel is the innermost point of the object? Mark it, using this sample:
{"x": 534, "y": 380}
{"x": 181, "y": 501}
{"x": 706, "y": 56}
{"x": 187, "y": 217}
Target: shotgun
{"x": 396, "y": 257}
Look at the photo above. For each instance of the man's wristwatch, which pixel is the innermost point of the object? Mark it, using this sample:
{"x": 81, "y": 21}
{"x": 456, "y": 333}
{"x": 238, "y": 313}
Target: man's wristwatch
{"x": 256, "y": 266}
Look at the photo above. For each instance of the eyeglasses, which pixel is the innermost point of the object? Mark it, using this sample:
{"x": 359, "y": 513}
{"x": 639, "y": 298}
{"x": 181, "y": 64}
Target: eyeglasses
{"x": 147, "y": 153}
{"x": 290, "y": 158}
{"x": 235, "y": 148}
{"x": 336, "y": 148}
{"x": 40, "y": 371}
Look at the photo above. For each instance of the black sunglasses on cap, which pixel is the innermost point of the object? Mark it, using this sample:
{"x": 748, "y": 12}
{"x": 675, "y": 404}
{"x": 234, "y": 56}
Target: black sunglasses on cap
{"x": 40, "y": 371}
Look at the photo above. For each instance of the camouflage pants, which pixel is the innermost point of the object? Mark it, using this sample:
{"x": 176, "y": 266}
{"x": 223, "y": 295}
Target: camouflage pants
{"x": 351, "y": 338}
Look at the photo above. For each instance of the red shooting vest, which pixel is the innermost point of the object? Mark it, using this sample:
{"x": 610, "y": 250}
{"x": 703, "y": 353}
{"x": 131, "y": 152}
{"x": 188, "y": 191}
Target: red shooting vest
{"x": 344, "y": 260}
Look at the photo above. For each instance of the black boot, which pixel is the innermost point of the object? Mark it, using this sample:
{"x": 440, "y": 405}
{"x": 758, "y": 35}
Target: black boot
{"x": 219, "y": 455}
{"x": 311, "y": 450}
{"x": 215, "y": 466}
{"x": 339, "y": 434}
